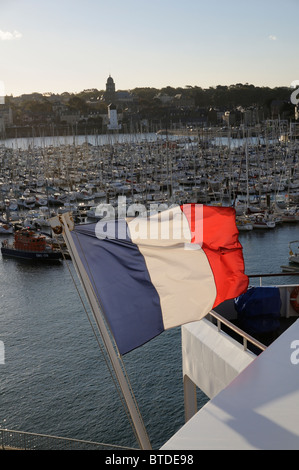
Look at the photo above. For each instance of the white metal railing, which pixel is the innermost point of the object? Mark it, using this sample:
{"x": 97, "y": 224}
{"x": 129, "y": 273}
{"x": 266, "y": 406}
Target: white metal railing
{"x": 245, "y": 337}
{"x": 261, "y": 276}
{"x": 20, "y": 440}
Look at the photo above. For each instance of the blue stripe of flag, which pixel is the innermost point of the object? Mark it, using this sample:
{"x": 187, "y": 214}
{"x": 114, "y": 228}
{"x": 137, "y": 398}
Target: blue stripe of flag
{"x": 121, "y": 281}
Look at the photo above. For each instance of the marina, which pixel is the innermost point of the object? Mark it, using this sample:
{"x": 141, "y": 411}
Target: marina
{"x": 54, "y": 380}
{"x": 250, "y": 173}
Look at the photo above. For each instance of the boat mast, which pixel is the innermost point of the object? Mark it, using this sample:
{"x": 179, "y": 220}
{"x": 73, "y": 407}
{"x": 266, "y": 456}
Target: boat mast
{"x": 247, "y": 180}
{"x": 113, "y": 357}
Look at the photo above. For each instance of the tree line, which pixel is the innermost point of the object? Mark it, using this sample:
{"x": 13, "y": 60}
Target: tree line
{"x": 230, "y": 97}
{"x": 146, "y": 103}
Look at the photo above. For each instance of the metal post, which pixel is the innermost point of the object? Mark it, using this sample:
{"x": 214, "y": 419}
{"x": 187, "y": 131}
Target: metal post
{"x": 114, "y": 359}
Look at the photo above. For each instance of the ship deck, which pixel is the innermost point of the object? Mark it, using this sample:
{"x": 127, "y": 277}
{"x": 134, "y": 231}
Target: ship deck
{"x": 258, "y": 409}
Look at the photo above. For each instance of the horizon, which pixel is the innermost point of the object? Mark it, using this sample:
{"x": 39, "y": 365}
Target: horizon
{"x": 54, "y": 47}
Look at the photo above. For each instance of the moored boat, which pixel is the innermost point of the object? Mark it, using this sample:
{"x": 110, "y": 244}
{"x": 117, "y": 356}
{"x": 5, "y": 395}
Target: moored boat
{"x": 5, "y": 228}
{"x": 30, "y": 245}
{"x": 260, "y": 221}
{"x": 290, "y": 216}
{"x": 294, "y": 252}
{"x": 243, "y": 223}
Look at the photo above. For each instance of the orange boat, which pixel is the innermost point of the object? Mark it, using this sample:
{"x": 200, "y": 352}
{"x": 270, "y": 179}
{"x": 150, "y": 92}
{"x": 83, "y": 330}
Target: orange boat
{"x": 30, "y": 245}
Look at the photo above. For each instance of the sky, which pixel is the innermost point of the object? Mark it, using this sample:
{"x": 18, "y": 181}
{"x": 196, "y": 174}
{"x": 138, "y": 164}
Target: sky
{"x": 70, "y": 45}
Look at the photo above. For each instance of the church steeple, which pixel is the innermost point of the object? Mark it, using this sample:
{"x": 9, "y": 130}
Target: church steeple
{"x": 110, "y": 91}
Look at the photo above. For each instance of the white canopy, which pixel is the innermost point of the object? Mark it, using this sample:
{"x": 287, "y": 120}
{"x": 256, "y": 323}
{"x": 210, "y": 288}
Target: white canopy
{"x": 259, "y": 409}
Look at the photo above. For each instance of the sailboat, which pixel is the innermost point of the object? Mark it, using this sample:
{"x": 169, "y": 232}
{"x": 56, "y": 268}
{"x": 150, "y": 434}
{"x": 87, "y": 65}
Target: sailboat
{"x": 261, "y": 221}
{"x": 294, "y": 252}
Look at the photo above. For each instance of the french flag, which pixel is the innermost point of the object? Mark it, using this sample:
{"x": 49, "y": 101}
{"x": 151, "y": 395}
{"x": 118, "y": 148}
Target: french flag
{"x": 153, "y": 273}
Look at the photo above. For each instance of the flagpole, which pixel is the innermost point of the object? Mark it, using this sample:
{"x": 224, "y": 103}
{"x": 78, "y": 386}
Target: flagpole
{"x": 98, "y": 315}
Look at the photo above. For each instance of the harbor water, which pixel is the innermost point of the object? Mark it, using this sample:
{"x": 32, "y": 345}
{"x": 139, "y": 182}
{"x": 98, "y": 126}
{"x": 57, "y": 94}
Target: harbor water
{"x": 54, "y": 379}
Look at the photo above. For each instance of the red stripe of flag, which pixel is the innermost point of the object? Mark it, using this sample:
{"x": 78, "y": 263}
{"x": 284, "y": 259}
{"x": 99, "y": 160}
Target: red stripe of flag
{"x": 214, "y": 228}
